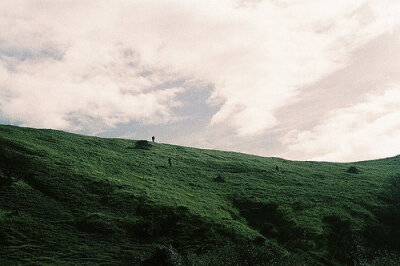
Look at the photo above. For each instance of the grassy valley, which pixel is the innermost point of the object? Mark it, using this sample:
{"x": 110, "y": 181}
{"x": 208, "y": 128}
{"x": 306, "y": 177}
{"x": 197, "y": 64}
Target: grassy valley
{"x": 72, "y": 199}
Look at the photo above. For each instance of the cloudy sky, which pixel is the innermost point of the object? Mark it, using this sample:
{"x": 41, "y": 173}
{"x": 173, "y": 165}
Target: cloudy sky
{"x": 299, "y": 79}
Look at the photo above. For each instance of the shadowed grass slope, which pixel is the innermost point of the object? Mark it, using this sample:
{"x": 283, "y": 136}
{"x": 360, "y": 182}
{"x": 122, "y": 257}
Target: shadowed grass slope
{"x": 67, "y": 198}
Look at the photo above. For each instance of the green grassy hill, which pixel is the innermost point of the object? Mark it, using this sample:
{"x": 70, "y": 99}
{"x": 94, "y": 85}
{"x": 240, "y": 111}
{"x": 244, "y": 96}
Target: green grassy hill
{"x": 72, "y": 199}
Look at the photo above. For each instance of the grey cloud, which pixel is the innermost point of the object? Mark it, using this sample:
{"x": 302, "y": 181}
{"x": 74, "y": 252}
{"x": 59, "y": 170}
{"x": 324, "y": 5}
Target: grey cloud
{"x": 11, "y": 55}
{"x": 25, "y": 53}
{"x": 370, "y": 69}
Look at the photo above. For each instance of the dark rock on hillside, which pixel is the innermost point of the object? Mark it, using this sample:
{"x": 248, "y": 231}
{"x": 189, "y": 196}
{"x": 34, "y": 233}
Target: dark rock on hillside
{"x": 143, "y": 144}
{"x": 353, "y": 170}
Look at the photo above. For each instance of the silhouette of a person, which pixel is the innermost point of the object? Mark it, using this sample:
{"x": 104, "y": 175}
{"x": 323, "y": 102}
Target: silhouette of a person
{"x": 170, "y": 161}
{"x": 153, "y": 138}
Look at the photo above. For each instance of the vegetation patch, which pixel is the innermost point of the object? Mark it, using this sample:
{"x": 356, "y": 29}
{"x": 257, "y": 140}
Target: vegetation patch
{"x": 384, "y": 234}
{"x": 68, "y": 199}
{"x": 96, "y": 223}
{"x": 353, "y": 170}
{"x": 339, "y": 239}
{"x": 143, "y": 145}
{"x": 219, "y": 179}
{"x": 164, "y": 255}
{"x": 268, "y": 220}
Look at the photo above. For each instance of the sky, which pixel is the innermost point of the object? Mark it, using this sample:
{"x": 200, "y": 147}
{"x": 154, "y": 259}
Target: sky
{"x": 298, "y": 79}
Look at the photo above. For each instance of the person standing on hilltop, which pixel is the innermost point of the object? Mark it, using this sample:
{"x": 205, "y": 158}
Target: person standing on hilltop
{"x": 153, "y": 138}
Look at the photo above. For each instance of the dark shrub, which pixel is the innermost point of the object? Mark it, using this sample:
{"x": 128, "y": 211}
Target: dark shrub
{"x": 5, "y": 180}
{"x": 269, "y": 229}
{"x": 101, "y": 187}
{"x": 394, "y": 190}
{"x": 219, "y": 179}
{"x": 140, "y": 228}
{"x": 95, "y": 223}
{"x": 37, "y": 183}
{"x": 14, "y": 165}
{"x": 353, "y": 170}
{"x": 164, "y": 256}
{"x": 268, "y": 220}
{"x": 339, "y": 238}
{"x": 259, "y": 240}
{"x": 143, "y": 144}
{"x": 385, "y": 233}
{"x": 239, "y": 253}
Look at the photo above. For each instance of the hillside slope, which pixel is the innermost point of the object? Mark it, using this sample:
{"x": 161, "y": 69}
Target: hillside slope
{"x": 67, "y": 198}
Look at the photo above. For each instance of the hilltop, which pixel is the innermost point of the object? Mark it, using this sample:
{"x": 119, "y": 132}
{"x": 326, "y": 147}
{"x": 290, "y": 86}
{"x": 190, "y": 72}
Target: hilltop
{"x": 73, "y": 199}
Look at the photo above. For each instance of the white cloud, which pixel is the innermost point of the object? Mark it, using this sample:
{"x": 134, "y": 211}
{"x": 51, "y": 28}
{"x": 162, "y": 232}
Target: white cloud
{"x": 366, "y": 130}
{"x": 63, "y": 67}
{"x": 84, "y": 91}
{"x": 84, "y": 60}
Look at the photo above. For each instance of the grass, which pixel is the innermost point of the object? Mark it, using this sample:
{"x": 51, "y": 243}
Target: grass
{"x": 86, "y": 200}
